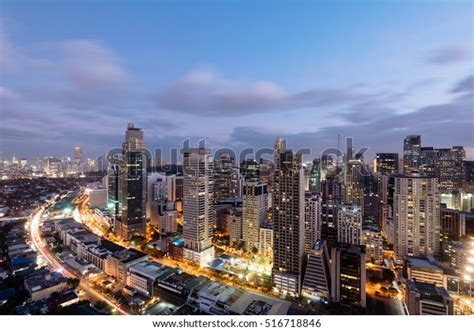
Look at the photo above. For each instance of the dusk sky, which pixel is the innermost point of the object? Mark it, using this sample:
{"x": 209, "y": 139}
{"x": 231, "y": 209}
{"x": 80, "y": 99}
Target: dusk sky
{"x": 238, "y": 73}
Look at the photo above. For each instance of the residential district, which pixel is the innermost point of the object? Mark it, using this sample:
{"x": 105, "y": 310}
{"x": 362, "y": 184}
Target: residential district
{"x": 212, "y": 234}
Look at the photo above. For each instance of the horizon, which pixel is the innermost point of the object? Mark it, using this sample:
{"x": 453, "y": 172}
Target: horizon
{"x": 375, "y": 72}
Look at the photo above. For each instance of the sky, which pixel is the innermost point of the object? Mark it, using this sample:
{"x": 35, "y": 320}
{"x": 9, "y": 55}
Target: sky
{"x": 236, "y": 73}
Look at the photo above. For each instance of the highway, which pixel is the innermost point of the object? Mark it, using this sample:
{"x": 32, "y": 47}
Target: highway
{"x": 56, "y": 264}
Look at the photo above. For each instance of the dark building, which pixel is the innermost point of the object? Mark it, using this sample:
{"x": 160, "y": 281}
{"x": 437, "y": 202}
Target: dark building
{"x": 411, "y": 153}
{"x": 386, "y": 163}
{"x": 348, "y": 274}
{"x": 288, "y": 223}
{"x": 453, "y": 224}
{"x": 468, "y": 183}
{"x": 371, "y": 200}
{"x": 133, "y": 185}
{"x": 315, "y": 176}
{"x": 331, "y": 199}
{"x": 226, "y": 178}
{"x": 428, "y": 161}
{"x": 250, "y": 170}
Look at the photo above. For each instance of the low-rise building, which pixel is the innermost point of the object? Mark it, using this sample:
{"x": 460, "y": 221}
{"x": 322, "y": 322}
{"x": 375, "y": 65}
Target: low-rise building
{"x": 428, "y": 299}
{"x": 42, "y": 285}
{"x": 143, "y": 276}
{"x": 117, "y": 264}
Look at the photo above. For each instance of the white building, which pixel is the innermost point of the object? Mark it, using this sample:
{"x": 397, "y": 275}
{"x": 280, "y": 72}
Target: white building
{"x": 254, "y": 212}
{"x": 349, "y": 224}
{"x": 372, "y": 239}
{"x": 266, "y": 242}
{"x": 198, "y": 208}
{"x": 416, "y": 212}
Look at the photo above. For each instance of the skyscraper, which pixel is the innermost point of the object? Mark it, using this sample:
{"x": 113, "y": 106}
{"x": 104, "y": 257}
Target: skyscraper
{"x": 315, "y": 176}
{"x": 198, "y": 208}
{"x": 349, "y": 224}
{"x": 312, "y": 220}
{"x": 416, "y": 212}
{"x": 254, "y": 212}
{"x": 288, "y": 223}
{"x": 411, "y": 153}
{"x": 317, "y": 276}
{"x": 386, "y": 163}
{"x": 78, "y": 159}
{"x": 331, "y": 199}
{"x": 354, "y": 183}
{"x": 348, "y": 274}
{"x": 133, "y": 185}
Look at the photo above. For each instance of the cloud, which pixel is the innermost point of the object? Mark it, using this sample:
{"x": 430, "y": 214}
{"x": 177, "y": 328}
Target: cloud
{"x": 464, "y": 86}
{"x": 89, "y": 64}
{"x": 449, "y": 55}
{"x": 205, "y": 93}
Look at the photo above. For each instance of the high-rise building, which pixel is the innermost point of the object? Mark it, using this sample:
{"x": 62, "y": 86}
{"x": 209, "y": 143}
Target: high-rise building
{"x": 453, "y": 224}
{"x": 386, "y": 163}
{"x": 288, "y": 223}
{"x": 315, "y": 176}
{"x": 250, "y": 170}
{"x": 317, "y": 277}
{"x": 428, "y": 161}
{"x": 78, "y": 159}
{"x": 411, "y": 153}
{"x": 416, "y": 212}
{"x": 226, "y": 178}
{"x": 349, "y": 224}
{"x": 266, "y": 241}
{"x": 331, "y": 199}
{"x": 348, "y": 274}
{"x": 468, "y": 181}
{"x": 354, "y": 182}
{"x": 254, "y": 212}
{"x": 133, "y": 185}
{"x": 198, "y": 209}
{"x": 449, "y": 167}
{"x": 372, "y": 240}
{"x": 312, "y": 220}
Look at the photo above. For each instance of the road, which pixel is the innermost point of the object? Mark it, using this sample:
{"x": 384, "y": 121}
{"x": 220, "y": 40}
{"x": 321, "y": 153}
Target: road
{"x": 56, "y": 264}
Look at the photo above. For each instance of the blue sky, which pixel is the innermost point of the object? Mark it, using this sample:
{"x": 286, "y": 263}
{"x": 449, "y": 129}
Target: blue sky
{"x": 238, "y": 73}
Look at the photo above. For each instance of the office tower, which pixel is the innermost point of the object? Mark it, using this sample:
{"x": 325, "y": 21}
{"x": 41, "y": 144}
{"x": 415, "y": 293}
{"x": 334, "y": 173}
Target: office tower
{"x": 449, "y": 167}
{"x": 113, "y": 191}
{"x": 354, "y": 182}
{"x": 416, "y": 215}
{"x": 411, "y": 153}
{"x": 250, "y": 170}
{"x": 317, "y": 276}
{"x": 372, "y": 240}
{"x": 315, "y": 176}
{"x": 102, "y": 163}
{"x": 453, "y": 224}
{"x": 266, "y": 241}
{"x": 331, "y": 199}
{"x": 348, "y": 274}
{"x": 428, "y": 161}
{"x": 288, "y": 223}
{"x": 349, "y": 224}
{"x": 279, "y": 147}
{"x": 312, "y": 220}
{"x": 78, "y": 159}
{"x": 468, "y": 180}
{"x": 371, "y": 199}
{"x": 386, "y": 163}
{"x": 156, "y": 197}
{"x": 254, "y": 212}
{"x": 198, "y": 212}
{"x": 226, "y": 178}
{"x": 133, "y": 185}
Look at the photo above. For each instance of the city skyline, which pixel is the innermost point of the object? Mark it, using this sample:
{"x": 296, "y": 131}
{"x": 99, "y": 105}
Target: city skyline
{"x": 375, "y": 73}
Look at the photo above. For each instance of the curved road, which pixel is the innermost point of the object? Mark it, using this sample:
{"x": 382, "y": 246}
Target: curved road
{"x": 56, "y": 264}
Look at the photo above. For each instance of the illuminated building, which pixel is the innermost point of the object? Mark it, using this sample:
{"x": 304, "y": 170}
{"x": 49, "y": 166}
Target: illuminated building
{"x": 198, "y": 207}
{"x": 453, "y": 224}
{"x": 317, "y": 276}
{"x": 411, "y": 153}
{"x": 349, "y": 224}
{"x": 288, "y": 223}
{"x": 254, "y": 209}
{"x": 331, "y": 199}
{"x": 312, "y": 220}
{"x": 266, "y": 241}
{"x": 348, "y": 274}
{"x": 428, "y": 299}
{"x": 315, "y": 176}
{"x": 372, "y": 240}
{"x": 132, "y": 185}
{"x": 416, "y": 216}
{"x": 386, "y": 163}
